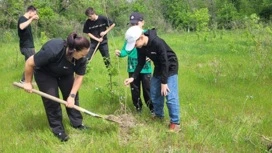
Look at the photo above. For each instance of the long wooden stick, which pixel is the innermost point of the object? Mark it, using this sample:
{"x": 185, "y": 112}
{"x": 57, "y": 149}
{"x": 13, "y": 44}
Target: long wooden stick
{"x": 94, "y": 51}
{"x": 20, "y": 85}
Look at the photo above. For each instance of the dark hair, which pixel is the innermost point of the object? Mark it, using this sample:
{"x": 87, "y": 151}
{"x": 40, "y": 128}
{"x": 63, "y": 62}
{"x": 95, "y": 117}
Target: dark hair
{"x": 31, "y": 8}
{"x": 89, "y": 11}
{"x": 76, "y": 43}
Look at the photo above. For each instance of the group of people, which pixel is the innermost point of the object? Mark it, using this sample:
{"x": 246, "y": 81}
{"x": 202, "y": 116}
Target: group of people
{"x": 61, "y": 65}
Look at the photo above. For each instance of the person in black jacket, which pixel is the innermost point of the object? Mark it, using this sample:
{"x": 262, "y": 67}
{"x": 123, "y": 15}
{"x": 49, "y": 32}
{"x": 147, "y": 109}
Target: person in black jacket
{"x": 164, "y": 82}
{"x": 60, "y": 65}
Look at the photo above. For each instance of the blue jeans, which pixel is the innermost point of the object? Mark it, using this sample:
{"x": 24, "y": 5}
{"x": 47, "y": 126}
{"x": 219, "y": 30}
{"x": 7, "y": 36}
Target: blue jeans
{"x": 172, "y": 98}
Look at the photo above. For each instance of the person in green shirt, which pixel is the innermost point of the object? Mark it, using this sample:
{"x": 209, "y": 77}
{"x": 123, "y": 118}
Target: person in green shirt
{"x": 136, "y": 19}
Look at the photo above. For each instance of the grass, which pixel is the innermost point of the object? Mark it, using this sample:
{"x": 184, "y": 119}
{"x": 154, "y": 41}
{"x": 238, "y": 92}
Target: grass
{"x": 224, "y": 88}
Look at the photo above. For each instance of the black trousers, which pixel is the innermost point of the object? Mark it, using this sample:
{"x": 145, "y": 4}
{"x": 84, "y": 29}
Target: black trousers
{"x": 135, "y": 87}
{"x": 27, "y": 52}
{"x": 104, "y": 50}
{"x": 51, "y": 86}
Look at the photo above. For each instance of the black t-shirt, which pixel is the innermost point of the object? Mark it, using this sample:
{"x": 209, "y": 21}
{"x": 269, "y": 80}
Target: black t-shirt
{"x": 53, "y": 60}
{"x": 96, "y": 27}
{"x": 26, "y": 38}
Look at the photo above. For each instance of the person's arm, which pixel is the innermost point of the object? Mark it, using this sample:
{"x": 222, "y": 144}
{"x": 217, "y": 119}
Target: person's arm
{"x": 123, "y": 52}
{"x": 103, "y": 33}
{"x": 163, "y": 59}
{"x": 139, "y": 67}
{"x": 141, "y": 63}
{"x": 95, "y": 38}
{"x": 29, "y": 69}
{"x": 89, "y": 33}
{"x": 76, "y": 85}
{"x": 162, "y": 53}
{"x": 23, "y": 25}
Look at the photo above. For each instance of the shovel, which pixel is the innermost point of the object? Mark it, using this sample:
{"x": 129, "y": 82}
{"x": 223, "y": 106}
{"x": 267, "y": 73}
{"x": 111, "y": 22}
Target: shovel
{"x": 109, "y": 118}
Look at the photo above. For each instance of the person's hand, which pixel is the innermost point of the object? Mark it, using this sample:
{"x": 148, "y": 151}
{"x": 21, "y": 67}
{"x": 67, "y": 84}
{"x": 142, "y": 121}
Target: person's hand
{"x": 100, "y": 40}
{"x": 70, "y": 102}
{"x": 128, "y": 81}
{"x": 28, "y": 87}
{"x": 102, "y": 34}
{"x": 35, "y": 17}
{"x": 117, "y": 52}
{"x": 164, "y": 89}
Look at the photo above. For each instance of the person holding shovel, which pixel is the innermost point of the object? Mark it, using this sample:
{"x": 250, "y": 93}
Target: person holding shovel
{"x": 164, "y": 82}
{"x": 97, "y": 27}
{"x": 26, "y": 42}
{"x": 136, "y": 19}
{"x": 59, "y": 65}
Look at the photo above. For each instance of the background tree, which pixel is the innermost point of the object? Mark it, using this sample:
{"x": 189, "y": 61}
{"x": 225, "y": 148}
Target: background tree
{"x": 60, "y": 17}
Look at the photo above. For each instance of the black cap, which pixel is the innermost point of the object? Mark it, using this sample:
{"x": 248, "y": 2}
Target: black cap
{"x": 135, "y": 17}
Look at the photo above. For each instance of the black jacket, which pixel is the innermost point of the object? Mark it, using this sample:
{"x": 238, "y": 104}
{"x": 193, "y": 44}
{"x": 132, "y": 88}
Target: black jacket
{"x": 52, "y": 59}
{"x": 163, "y": 57}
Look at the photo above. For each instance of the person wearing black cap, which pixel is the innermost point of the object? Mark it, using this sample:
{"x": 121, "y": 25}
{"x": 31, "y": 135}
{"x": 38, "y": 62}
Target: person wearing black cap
{"x": 97, "y": 27}
{"x": 59, "y": 65}
{"x": 136, "y": 19}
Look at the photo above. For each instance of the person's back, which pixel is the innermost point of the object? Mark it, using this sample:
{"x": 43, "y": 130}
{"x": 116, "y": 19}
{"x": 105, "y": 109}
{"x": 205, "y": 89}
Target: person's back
{"x": 156, "y": 50}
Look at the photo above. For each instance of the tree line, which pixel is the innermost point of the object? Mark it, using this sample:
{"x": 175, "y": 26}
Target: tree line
{"x": 59, "y": 17}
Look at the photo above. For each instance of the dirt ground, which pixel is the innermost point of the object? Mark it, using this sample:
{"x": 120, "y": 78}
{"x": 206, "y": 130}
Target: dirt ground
{"x": 126, "y": 121}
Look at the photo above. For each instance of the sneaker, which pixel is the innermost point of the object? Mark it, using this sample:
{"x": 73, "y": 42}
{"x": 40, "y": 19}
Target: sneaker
{"x": 152, "y": 112}
{"x": 156, "y": 118}
{"x": 174, "y": 127}
{"x": 139, "y": 110}
{"x": 62, "y": 136}
{"x": 22, "y": 81}
{"x": 81, "y": 127}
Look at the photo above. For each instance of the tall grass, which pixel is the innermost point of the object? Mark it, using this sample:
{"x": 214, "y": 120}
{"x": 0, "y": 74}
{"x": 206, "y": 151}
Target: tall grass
{"x": 224, "y": 88}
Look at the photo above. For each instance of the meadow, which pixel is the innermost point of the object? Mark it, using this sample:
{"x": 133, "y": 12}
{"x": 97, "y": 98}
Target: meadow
{"x": 225, "y": 94}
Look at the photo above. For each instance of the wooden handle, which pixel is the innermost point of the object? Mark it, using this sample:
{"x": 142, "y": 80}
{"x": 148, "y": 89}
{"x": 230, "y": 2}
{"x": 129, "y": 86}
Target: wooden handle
{"x": 94, "y": 51}
{"x": 57, "y": 100}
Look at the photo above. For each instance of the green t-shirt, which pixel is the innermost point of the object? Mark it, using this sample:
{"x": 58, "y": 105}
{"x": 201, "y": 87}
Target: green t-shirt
{"x": 133, "y": 60}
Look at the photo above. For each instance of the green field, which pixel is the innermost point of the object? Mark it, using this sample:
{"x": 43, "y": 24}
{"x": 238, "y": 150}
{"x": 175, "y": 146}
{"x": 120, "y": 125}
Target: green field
{"x": 225, "y": 94}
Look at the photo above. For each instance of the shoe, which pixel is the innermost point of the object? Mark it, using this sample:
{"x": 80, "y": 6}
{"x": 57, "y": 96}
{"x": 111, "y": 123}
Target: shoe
{"x": 174, "y": 127}
{"x": 152, "y": 112}
{"x": 22, "y": 81}
{"x": 156, "y": 118}
{"x": 139, "y": 110}
{"x": 81, "y": 127}
{"x": 62, "y": 136}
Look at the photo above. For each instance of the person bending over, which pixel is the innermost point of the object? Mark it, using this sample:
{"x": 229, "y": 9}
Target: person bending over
{"x": 164, "y": 82}
{"x": 59, "y": 65}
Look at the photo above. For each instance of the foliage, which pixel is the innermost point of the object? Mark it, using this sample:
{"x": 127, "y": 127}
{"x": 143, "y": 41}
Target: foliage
{"x": 57, "y": 18}
{"x": 225, "y": 98}
{"x": 226, "y": 15}
{"x": 200, "y": 19}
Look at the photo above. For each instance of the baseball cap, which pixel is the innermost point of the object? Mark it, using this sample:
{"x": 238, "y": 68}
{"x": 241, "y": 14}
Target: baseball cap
{"x": 135, "y": 17}
{"x": 131, "y": 36}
